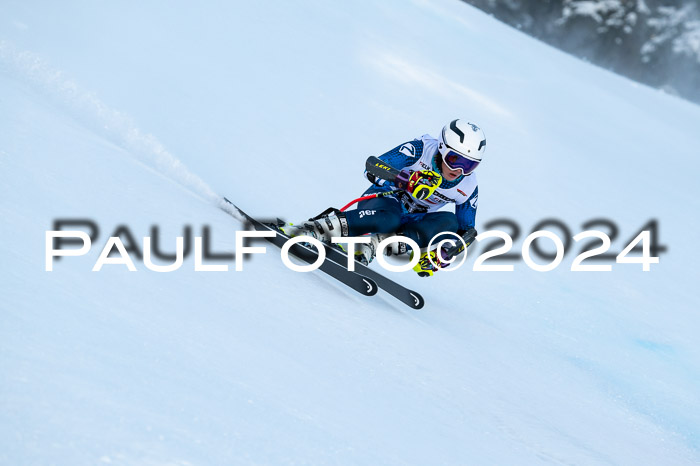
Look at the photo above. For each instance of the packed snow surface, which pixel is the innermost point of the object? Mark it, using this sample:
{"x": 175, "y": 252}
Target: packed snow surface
{"x": 134, "y": 115}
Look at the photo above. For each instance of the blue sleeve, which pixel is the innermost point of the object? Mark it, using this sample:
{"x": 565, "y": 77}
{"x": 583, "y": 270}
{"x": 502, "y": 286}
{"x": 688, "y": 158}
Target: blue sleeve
{"x": 399, "y": 157}
{"x": 466, "y": 212}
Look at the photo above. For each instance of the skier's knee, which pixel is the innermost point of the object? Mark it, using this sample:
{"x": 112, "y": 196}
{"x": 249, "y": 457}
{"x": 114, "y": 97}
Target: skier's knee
{"x": 389, "y": 221}
{"x": 445, "y": 225}
{"x": 450, "y": 222}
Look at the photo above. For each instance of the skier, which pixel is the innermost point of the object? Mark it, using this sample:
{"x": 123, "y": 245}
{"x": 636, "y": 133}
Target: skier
{"x": 433, "y": 173}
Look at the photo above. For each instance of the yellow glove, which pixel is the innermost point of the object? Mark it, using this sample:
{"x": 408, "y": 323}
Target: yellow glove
{"x": 425, "y": 268}
{"x": 422, "y": 184}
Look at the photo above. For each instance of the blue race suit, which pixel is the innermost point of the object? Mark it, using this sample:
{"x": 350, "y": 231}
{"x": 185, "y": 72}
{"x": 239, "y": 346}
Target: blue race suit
{"x": 402, "y": 213}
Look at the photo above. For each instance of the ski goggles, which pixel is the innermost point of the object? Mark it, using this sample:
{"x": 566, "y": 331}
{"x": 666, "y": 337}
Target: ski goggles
{"x": 456, "y": 161}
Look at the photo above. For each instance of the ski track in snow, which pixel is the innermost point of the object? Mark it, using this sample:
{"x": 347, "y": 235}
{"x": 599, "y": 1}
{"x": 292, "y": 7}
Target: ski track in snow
{"x": 110, "y": 123}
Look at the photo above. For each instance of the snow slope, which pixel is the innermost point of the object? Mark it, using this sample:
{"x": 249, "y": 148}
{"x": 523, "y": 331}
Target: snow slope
{"x": 277, "y": 105}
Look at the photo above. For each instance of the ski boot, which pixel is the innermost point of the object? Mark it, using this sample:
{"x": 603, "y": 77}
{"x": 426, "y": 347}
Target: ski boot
{"x": 366, "y": 252}
{"x": 322, "y": 228}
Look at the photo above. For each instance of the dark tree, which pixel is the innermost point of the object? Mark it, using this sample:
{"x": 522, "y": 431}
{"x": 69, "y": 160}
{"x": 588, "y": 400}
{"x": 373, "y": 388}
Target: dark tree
{"x": 646, "y": 40}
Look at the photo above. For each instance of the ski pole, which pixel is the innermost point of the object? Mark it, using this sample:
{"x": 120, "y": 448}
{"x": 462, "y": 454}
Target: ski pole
{"x": 370, "y": 196}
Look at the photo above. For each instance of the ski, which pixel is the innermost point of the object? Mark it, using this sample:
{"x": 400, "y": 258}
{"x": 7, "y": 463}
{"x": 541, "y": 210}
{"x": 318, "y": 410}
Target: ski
{"x": 363, "y": 279}
{"x": 407, "y": 296}
{"x": 356, "y": 281}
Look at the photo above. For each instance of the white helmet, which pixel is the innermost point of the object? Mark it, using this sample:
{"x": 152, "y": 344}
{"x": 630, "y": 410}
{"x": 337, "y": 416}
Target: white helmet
{"x": 462, "y": 145}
